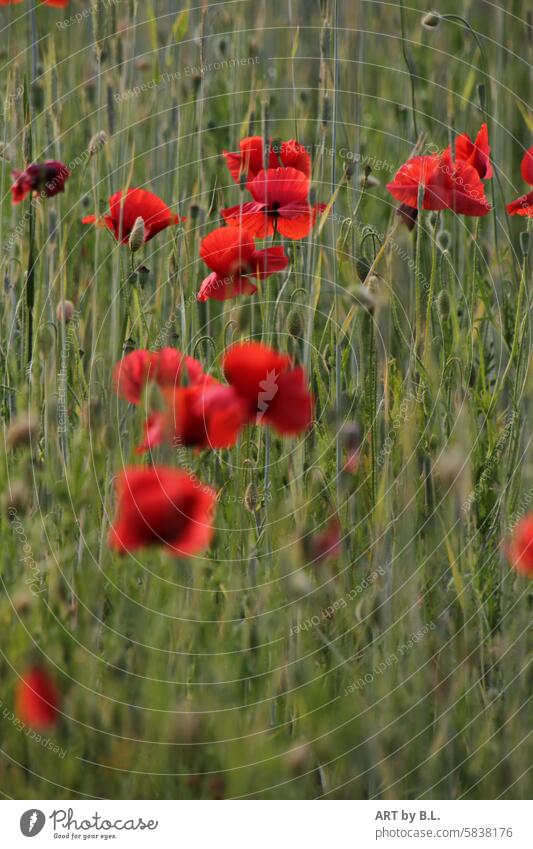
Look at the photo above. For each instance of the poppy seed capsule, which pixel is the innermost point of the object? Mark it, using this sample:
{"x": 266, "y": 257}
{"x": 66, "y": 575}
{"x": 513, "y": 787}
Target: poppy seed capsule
{"x": 431, "y": 20}
{"x": 295, "y": 324}
{"x": 524, "y": 243}
{"x": 65, "y": 311}
{"x": 22, "y": 431}
{"x": 97, "y": 142}
{"x": 136, "y": 239}
{"x": 251, "y": 498}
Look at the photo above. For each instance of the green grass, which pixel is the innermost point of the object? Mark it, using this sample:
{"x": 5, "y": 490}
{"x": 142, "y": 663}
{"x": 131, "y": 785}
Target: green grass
{"x": 398, "y": 669}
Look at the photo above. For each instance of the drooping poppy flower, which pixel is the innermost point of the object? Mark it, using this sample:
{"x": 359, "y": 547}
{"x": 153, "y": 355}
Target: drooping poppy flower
{"x": 275, "y": 391}
{"x": 250, "y": 160}
{"x": 521, "y": 547}
{"x": 164, "y": 367}
{"x": 37, "y": 698}
{"x": 231, "y": 254}
{"x": 138, "y": 203}
{"x": 476, "y": 153}
{"x": 524, "y": 205}
{"x": 44, "y": 178}
{"x": 281, "y": 202}
{"x": 446, "y": 185}
{"x": 158, "y": 505}
{"x": 207, "y": 415}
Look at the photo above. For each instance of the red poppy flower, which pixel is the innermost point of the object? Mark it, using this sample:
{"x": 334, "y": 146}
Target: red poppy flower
{"x": 476, "y": 153}
{"x": 521, "y": 547}
{"x": 44, "y": 178}
{"x": 208, "y": 415}
{"x": 138, "y": 203}
{"x": 37, "y": 699}
{"x": 524, "y": 205}
{"x": 281, "y": 201}
{"x": 164, "y": 367}
{"x": 162, "y": 506}
{"x": 326, "y": 543}
{"x": 447, "y": 185}
{"x": 250, "y": 159}
{"x": 275, "y": 391}
{"x": 231, "y": 254}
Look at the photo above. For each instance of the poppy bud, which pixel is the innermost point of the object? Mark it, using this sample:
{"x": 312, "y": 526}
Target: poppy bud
{"x": 143, "y": 273}
{"x": 252, "y": 501}
{"x": 431, "y": 20}
{"x": 443, "y": 305}
{"x": 362, "y": 266}
{"x": 136, "y": 239}
{"x": 524, "y": 242}
{"x": 444, "y": 240}
{"x": 295, "y": 324}
{"x": 22, "y": 431}
{"x": 368, "y": 181}
{"x": 65, "y": 311}
{"x": 97, "y": 142}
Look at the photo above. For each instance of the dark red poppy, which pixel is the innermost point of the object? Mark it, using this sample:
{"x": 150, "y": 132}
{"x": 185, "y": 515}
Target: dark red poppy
{"x": 281, "y": 203}
{"x": 325, "y": 544}
{"x": 250, "y": 160}
{"x": 158, "y": 505}
{"x": 164, "y": 367}
{"x": 231, "y": 254}
{"x": 37, "y": 698}
{"x": 447, "y": 185}
{"x": 521, "y": 547}
{"x": 524, "y": 205}
{"x": 208, "y": 415}
{"x": 43, "y": 178}
{"x": 476, "y": 153}
{"x": 275, "y": 391}
{"x": 138, "y": 203}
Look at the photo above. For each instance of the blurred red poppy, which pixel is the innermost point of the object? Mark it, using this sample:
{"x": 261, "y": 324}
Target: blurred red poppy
{"x": 447, "y": 185}
{"x": 158, "y": 505}
{"x": 281, "y": 203}
{"x": 524, "y": 205}
{"x": 476, "y": 153}
{"x": 164, "y": 367}
{"x": 58, "y": 4}
{"x": 521, "y": 547}
{"x": 327, "y": 543}
{"x": 231, "y": 254}
{"x": 208, "y": 415}
{"x": 250, "y": 160}
{"x": 276, "y": 392}
{"x": 44, "y": 178}
{"x": 37, "y": 698}
{"x": 138, "y": 203}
